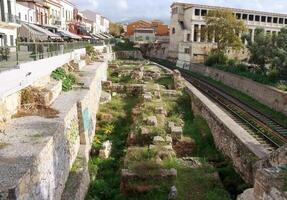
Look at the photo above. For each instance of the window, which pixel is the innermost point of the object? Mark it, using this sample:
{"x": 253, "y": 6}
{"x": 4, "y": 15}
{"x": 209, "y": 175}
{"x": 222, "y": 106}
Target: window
{"x": 269, "y": 19}
{"x": 281, "y": 20}
{"x": 147, "y": 37}
{"x": 187, "y": 50}
{"x": 25, "y": 17}
{"x": 188, "y": 37}
{"x": 5, "y": 40}
{"x": 197, "y": 12}
{"x": 257, "y": 18}
{"x": 203, "y": 12}
{"x": 238, "y": 15}
{"x": 251, "y": 17}
{"x": 11, "y": 40}
{"x": 275, "y": 20}
{"x": 173, "y": 30}
{"x": 286, "y": 21}
{"x": 19, "y": 15}
{"x": 195, "y": 32}
{"x": 244, "y": 16}
{"x": 263, "y": 18}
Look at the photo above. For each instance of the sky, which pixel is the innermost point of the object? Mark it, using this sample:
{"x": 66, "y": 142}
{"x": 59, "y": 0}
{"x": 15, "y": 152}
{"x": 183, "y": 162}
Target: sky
{"x": 122, "y": 10}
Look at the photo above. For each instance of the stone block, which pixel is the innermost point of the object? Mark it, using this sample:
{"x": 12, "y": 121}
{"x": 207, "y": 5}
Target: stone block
{"x": 176, "y": 132}
{"x": 105, "y": 151}
{"x": 114, "y": 66}
{"x": 160, "y": 110}
{"x": 105, "y": 97}
{"x": 107, "y": 85}
{"x": 151, "y": 121}
{"x": 51, "y": 92}
{"x": 147, "y": 97}
{"x": 78, "y": 181}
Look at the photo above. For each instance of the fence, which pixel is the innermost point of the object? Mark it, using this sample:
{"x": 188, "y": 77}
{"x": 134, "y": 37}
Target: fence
{"x": 10, "y": 57}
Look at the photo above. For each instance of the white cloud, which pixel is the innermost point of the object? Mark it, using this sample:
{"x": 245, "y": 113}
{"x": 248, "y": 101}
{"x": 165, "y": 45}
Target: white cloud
{"x": 160, "y": 9}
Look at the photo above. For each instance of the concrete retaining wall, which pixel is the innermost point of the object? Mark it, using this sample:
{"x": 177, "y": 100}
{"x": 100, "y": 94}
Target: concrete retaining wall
{"x": 267, "y": 95}
{"x": 14, "y": 80}
{"x": 37, "y": 153}
{"x": 229, "y": 137}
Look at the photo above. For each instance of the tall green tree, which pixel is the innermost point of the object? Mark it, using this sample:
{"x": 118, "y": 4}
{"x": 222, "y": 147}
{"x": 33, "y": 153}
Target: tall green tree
{"x": 279, "y": 57}
{"x": 261, "y": 49}
{"x": 226, "y": 29}
{"x": 116, "y": 29}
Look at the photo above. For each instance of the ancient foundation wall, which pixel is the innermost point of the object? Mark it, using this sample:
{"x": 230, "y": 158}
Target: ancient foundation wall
{"x": 229, "y": 137}
{"x": 43, "y": 158}
{"x": 265, "y": 94}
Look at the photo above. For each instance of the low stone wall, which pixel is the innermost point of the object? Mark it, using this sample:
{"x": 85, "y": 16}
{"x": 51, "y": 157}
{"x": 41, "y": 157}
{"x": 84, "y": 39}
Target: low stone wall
{"x": 229, "y": 137}
{"x": 265, "y": 94}
{"x": 129, "y": 55}
{"x": 37, "y": 153}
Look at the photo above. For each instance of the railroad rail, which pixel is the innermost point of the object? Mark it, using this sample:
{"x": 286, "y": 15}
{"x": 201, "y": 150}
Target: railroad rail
{"x": 270, "y": 133}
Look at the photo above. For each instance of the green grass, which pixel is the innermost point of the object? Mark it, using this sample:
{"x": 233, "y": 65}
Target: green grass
{"x": 166, "y": 81}
{"x": 106, "y": 173}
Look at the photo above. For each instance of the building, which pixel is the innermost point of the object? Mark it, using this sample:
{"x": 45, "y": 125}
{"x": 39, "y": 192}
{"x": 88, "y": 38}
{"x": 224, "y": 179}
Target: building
{"x": 54, "y": 12}
{"x": 187, "y": 44}
{"x": 67, "y": 14}
{"x": 8, "y": 23}
{"x": 146, "y": 31}
{"x": 100, "y": 23}
{"x": 36, "y": 11}
{"x": 144, "y": 35}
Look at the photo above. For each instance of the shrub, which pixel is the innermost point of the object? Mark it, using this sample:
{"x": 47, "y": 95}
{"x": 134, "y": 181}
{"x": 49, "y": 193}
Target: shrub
{"x": 68, "y": 79}
{"x": 232, "y": 63}
{"x": 273, "y": 75}
{"x": 90, "y": 50}
{"x": 217, "y": 58}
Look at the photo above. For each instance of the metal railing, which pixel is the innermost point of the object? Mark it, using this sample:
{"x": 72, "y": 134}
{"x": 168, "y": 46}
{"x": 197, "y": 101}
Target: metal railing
{"x": 11, "y": 57}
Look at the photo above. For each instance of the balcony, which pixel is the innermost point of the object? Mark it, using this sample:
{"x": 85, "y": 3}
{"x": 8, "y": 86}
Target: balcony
{"x": 9, "y": 21}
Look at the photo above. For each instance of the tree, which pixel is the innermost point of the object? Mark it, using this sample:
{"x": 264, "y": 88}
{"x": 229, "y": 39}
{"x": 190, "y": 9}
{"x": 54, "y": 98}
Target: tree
{"x": 279, "y": 61}
{"x": 261, "y": 49}
{"x": 116, "y": 29}
{"x": 226, "y": 29}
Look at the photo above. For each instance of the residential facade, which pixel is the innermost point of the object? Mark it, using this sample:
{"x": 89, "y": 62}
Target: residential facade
{"x": 146, "y": 31}
{"x": 188, "y": 44}
{"x": 8, "y": 23}
{"x": 100, "y": 23}
{"x": 67, "y": 14}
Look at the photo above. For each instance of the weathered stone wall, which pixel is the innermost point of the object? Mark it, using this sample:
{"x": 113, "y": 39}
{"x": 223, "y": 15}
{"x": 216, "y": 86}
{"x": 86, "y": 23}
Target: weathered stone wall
{"x": 129, "y": 55}
{"x": 229, "y": 137}
{"x": 37, "y": 153}
{"x": 267, "y": 95}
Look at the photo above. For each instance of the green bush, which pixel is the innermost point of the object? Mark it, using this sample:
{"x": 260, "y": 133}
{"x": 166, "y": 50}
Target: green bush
{"x": 90, "y": 50}
{"x": 273, "y": 75}
{"x": 216, "y": 59}
{"x": 232, "y": 62}
{"x": 68, "y": 79}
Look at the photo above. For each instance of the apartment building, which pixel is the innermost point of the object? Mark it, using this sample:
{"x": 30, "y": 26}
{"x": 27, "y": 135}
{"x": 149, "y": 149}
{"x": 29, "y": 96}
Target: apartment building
{"x": 146, "y": 31}
{"x": 188, "y": 44}
{"x": 100, "y": 23}
{"x": 8, "y": 23}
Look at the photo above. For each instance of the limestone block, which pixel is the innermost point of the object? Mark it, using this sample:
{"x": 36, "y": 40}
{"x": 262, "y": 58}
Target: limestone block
{"x": 105, "y": 151}
{"x": 246, "y": 195}
{"x": 157, "y": 140}
{"x": 107, "y": 85}
{"x": 114, "y": 66}
{"x": 176, "y": 132}
{"x": 147, "y": 97}
{"x": 160, "y": 110}
{"x": 105, "y": 97}
{"x": 51, "y": 91}
{"x": 77, "y": 184}
{"x": 151, "y": 121}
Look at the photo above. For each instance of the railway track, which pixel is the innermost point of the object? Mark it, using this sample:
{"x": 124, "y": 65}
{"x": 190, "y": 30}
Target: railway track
{"x": 270, "y": 133}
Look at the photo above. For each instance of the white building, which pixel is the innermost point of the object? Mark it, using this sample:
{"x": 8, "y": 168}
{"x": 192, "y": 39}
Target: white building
{"x": 25, "y": 14}
{"x": 187, "y": 44}
{"x": 144, "y": 35}
{"x": 8, "y": 23}
{"x": 67, "y": 14}
{"x": 101, "y": 24}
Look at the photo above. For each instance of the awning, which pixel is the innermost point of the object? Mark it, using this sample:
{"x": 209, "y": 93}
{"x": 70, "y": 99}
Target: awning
{"x": 26, "y": 31}
{"x": 44, "y": 31}
{"x": 69, "y": 34}
{"x": 105, "y": 36}
{"x": 86, "y": 37}
{"x": 100, "y": 36}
